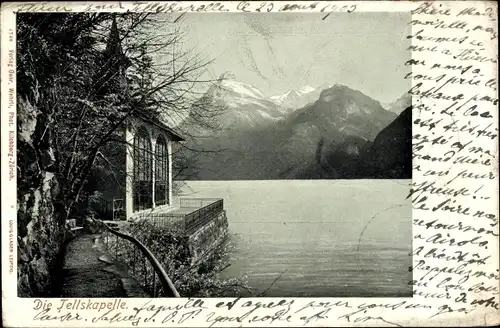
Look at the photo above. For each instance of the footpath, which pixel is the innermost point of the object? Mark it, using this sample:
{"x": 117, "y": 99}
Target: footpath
{"x": 89, "y": 271}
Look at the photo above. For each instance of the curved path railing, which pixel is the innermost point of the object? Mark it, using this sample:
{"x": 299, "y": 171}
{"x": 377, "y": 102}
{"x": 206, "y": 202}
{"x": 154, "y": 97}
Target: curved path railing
{"x": 167, "y": 284}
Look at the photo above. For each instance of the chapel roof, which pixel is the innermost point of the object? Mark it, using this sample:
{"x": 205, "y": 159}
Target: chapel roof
{"x": 174, "y": 136}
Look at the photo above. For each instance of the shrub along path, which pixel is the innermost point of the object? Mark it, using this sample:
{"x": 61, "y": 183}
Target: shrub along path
{"x": 89, "y": 271}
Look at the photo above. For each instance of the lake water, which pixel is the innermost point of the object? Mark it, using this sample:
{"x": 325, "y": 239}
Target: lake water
{"x": 335, "y": 238}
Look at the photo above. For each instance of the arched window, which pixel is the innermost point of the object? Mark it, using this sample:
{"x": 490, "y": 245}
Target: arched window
{"x": 161, "y": 172}
{"x": 143, "y": 171}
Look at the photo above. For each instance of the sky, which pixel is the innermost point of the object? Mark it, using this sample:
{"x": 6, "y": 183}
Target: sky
{"x": 277, "y": 52}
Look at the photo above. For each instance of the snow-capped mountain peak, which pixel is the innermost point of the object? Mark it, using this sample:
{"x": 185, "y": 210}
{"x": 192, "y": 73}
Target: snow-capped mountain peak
{"x": 228, "y": 83}
{"x": 245, "y": 105}
{"x": 400, "y": 104}
{"x": 228, "y": 75}
{"x": 297, "y": 98}
{"x": 306, "y": 89}
{"x": 293, "y": 94}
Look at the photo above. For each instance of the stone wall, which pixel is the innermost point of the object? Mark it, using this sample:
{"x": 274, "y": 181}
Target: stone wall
{"x": 40, "y": 233}
{"x": 208, "y": 237}
{"x": 190, "y": 248}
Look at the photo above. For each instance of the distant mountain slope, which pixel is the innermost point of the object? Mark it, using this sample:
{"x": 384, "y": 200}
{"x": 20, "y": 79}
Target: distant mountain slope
{"x": 341, "y": 110}
{"x": 387, "y": 157}
{"x": 339, "y": 117}
{"x": 391, "y": 151}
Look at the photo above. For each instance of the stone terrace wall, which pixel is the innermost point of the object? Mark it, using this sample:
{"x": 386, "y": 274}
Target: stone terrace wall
{"x": 208, "y": 237}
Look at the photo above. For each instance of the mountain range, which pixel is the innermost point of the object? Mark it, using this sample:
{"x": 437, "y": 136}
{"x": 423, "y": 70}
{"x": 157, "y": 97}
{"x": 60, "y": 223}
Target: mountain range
{"x": 329, "y": 132}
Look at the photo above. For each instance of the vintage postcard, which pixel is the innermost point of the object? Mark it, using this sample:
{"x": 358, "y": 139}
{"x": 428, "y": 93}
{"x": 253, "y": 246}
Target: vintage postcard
{"x": 249, "y": 164}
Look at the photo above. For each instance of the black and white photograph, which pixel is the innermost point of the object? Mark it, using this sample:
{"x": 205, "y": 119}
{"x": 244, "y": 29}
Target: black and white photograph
{"x": 214, "y": 155}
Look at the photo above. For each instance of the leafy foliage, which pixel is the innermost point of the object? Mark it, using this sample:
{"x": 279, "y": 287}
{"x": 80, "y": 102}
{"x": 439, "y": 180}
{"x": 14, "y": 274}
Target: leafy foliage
{"x": 198, "y": 279}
